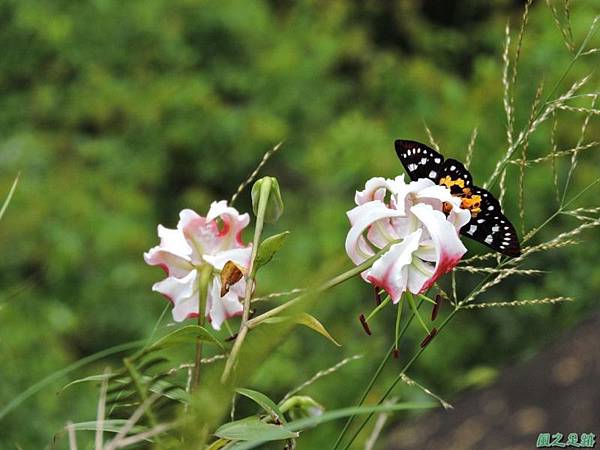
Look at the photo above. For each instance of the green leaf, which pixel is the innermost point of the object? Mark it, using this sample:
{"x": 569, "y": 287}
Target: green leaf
{"x": 268, "y": 248}
{"x": 113, "y": 426}
{"x": 218, "y": 444}
{"x": 171, "y": 391}
{"x": 253, "y": 429}
{"x": 298, "y": 425}
{"x": 85, "y": 380}
{"x": 34, "y": 389}
{"x": 263, "y": 401}
{"x": 184, "y": 335}
{"x": 312, "y": 323}
{"x": 150, "y": 363}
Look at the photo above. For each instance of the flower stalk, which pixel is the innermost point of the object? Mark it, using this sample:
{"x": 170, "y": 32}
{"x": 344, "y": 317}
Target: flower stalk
{"x": 205, "y": 276}
{"x": 265, "y": 191}
{"x": 325, "y": 286}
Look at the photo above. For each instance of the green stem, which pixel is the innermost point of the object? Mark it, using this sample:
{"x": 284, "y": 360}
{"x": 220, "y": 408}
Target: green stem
{"x": 378, "y": 308}
{"x": 265, "y": 191}
{"x": 395, "y": 382}
{"x": 427, "y": 299}
{"x": 398, "y": 319}
{"x": 374, "y": 378}
{"x": 411, "y": 302}
{"x": 205, "y": 275}
{"x": 418, "y": 354}
{"x": 327, "y": 285}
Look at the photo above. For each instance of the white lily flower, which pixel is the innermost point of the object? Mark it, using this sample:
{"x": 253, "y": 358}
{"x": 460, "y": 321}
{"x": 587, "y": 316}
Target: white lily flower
{"x": 421, "y": 217}
{"x": 195, "y": 243}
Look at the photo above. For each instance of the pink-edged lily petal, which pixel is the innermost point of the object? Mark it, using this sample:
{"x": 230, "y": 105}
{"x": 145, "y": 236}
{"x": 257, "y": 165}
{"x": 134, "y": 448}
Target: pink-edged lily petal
{"x": 361, "y": 218}
{"x": 220, "y": 308}
{"x": 173, "y": 254}
{"x": 183, "y": 293}
{"x": 375, "y": 189}
{"x": 233, "y": 223}
{"x": 390, "y": 272}
{"x": 201, "y": 234}
{"x": 382, "y": 232}
{"x": 458, "y": 216}
{"x": 171, "y": 264}
{"x": 407, "y": 194}
{"x": 240, "y": 256}
{"x": 437, "y": 195}
{"x": 445, "y": 239}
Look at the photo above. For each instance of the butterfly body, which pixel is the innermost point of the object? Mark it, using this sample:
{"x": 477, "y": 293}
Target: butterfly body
{"x": 488, "y": 225}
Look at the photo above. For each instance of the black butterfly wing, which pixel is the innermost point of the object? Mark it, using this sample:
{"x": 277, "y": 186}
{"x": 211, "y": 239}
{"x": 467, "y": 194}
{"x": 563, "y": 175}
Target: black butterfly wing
{"x": 490, "y": 227}
{"x": 456, "y": 171}
{"x": 419, "y": 160}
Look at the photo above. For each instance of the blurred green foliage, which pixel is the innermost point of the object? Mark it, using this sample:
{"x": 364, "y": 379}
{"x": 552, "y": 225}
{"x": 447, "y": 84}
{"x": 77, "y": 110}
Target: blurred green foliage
{"x": 119, "y": 114}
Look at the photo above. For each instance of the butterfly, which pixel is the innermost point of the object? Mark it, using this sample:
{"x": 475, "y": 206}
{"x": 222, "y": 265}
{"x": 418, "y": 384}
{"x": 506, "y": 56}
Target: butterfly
{"x": 487, "y": 225}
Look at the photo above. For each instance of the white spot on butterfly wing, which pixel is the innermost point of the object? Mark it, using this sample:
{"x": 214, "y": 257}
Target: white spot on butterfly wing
{"x": 472, "y": 229}
{"x": 432, "y": 174}
{"x": 412, "y": 167}
{"x": 489, "y": 239}
{"x": 423, "y": 161}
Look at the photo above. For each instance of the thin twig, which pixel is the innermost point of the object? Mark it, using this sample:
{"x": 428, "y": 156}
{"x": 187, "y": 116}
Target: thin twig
{"x": 72, "y": 437}
{"x": 101, "y": 411}
{"x": 133, "y": 419}
{"x": 506, "y": 86}
{"x": 253, "y": 175}
{"x": 410, "y": 382}
{"x": 496, "y": 270}
{"x": 146, "y": 435}
{"x": 556, "y": 154}
{"x": 320, "y": 374}
{"x": 432, "y": 141}
{"x": 542, "y": 301}
{"x": 471, "y": 148}
{"x": 277, "y": 294}
{"x": 378, "y": 428}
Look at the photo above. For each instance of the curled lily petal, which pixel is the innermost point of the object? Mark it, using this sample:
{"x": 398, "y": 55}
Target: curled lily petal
{"x": 170, "y": 263}
{"x": 233, "y": 223}
{"x": 173, "y": 254}
{"x": 390, "y": 272}
{"x": 458, "y": 216}
{"x": 220, "y": 308}
{"x": 183, "y": 293}
{"x": 376, "y": 189}
{"x": 449, "y": 248}
{"x": 201, "y": 234}
{"x": 240, "y": 256}
{"x": 361, "y": 218}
